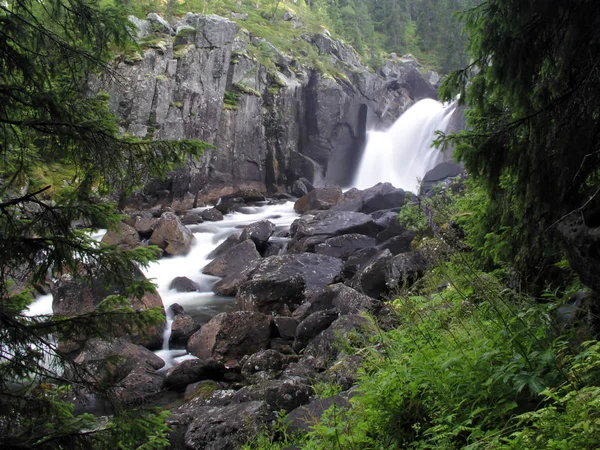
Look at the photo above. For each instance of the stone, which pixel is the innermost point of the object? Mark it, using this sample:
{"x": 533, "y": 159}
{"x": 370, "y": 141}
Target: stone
{"x": 333, "y": 223}
{"x": 228, "y": 286}
{"x": 175, "y": 309}
{"x": 202, "y": 389}
{"x": 285, "y": 326}
{"x": 318, "y": 199}
{"x": 191, "y": 371}
{"x": 231, "y": 336}
{"x": 303, "y": 418}
{"x": 231, "y": 241}
{"x": 124, "y": 236}
{"x": 272, "y": 293}
{"x": 439, "y": 174}
{"x": 345, "y": 245}
{"x": 159, "y": 25}
{"x": 183, "y": 284}
{"x": 138, "y": 387}
{"x": 259, "y": 233}
{"x": 317, "y": 300}
{"x": 371, "y": 278}
{"x": 233, "y": 260}
{"x": 381, "y": 196}
{"x": 145, "y": 226}
{"x": 398, "y": 244}
{"x": 192, "y": 218}
{"x": 312, "y": 326}
{"x": 404, "y": 269}
{"x": 270, "y": 361}
{"x": 182, "y": 328}
{"x": 212, "y": 215}
{"x": 171, "y": 235}
{"x": 227, "y": 427}
{"x": 348, "y": 301}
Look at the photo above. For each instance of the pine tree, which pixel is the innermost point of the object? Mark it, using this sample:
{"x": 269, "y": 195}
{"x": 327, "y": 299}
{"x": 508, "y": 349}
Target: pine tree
{"x": 534, "y": 128}
{"x": 48, "y": 117}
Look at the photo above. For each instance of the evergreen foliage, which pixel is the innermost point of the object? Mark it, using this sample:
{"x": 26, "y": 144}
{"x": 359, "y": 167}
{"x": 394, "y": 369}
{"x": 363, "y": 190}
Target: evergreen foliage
{"x": 47, "y": 117}
{"x": 534, "y": 134}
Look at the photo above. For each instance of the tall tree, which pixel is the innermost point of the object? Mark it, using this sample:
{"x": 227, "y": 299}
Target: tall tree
{"x": 47, "y": 51}
{"x": 534, "y": 118}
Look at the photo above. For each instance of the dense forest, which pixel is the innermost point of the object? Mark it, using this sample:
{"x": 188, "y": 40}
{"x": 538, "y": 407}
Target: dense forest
{"x": 494, "y": 345}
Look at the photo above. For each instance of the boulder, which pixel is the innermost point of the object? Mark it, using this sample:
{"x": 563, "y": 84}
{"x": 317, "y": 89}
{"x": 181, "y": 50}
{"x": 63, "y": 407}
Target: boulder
{"x": 381, "y": 196}
{"x": 231, "y": 241}
{"x": 404, "y": 269}
{"x": 318, "y": 199}
{"x": 259, "y": 233}
{"x": 272, "y": 293}
{"x": 348, "y": 301}
{"x": 231, "y": 335}
{"x": 269, "y": 361}
{"x": 304, "y": 418}
{"x": 440, "y": 173}
{"x": 358, "y": 259}
{"x": 233, "y": 260}
{"x": 191, "y": 371}
{"x": 229, "y": 203}
{"x": 312, "y": 326}
{"x": 138, "y": 387}
{"x": 212, "y": 215}
{"x": 191, "y": 218}
{"x": 227, "y": 427}
{"x": 398, "y": 244}
{"x": 344, "y": 246}
{"x": 285, "y": 327}
{"x": 145, "y": 225}
{"x": 371, "y": 278}
{"x": 182, "y": 328}
{"x": 332, "y": 223}
{"x": 124, "y": 236}
{"x": 171, "y": 235}
{"x": 228, "y": 286}
{"x": 183, "y": 284}
{"x": 318, "y": 300}
{"x": 75, "y": 296}
{"x": 202, "y": 389}
{"x": 285, "y": 394}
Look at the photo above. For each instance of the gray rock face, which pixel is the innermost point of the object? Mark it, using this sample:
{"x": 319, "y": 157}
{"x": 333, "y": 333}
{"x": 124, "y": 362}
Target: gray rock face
{"x": 313, "y": 126}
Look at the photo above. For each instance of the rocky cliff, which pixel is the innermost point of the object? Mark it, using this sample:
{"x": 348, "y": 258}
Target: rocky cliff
{"x": 271, "y": 121}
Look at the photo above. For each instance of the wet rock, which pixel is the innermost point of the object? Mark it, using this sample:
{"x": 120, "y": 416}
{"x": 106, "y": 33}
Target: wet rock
{"x": 271, "y": 294}
{"x": 231, "y": 241}
{"x": 312, "y": 326}
{"x": 318, "y": 199}
{"x": 227, "y": 427}
{"x": 191, "y": 371}
{"x": 349, "y": 301}
{"x": 176, "y": 309}
{"x": 404, "y": 269}
{"x": 231, "y": 336}
{"x": 233, "y": 260}
{"x": 229, "y": 203}
{"x": 285, "y": 327}
{"x": 171, "y": 235}
{"x": 381, "y": 196}
{"x": 145, "y": 225}
{"x": 228, "y": 286}
{"x": 183, "y": 284}
{"x": 259, "y": 233}
{"x": 371, "y": 278}
{"x": 124, "y": 236}
{"x": 138, "y": 387}
{"x": 269, "y": 361}
{"x": 212, "y": 215}
{"x": 182, "y": 328}
{"x": 344, "y": 246}
{"x": 192, "y": 218}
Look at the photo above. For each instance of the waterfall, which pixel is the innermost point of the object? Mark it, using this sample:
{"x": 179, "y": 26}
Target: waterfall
{"x": 403, "y": 154}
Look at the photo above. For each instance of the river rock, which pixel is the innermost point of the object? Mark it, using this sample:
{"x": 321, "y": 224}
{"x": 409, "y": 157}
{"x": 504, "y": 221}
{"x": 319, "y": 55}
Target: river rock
{"x": 312, "y": 326}
{"x": 285, "y": 326}
{"x": 273, "y": 293}
{"x": 371, "y": 278}
{"x": 318, "y": 199}
{"x": 226, "y": 427}
{"x": 259, "y": 233}
{"x": 212, "y": 215}
{"x": 124, "y": 236}
{"x": 318, "y": 300}
{"x": 286, "y": 394}
{"x": 231, "y": 335}
{"x": 182, "y": 328}
{"x": 303, "y": 418}
{"x": 138, "y": 387}
{"x": 145, "y": 225}
{"x": 192, "y": 370}
{"x": 380, "y": 196}
{"x": 232, "y": 260}
{"x": 344, "y": 246}
{"x": 270, "y": 362}
{"x": 348, "y": 301}
{"x": 183, "y": 284}
{"x": 231, "y": 241}
{"x": 404, "y": 269}
{"x": 171, "y": 235}
{"x": 398, "y": 244}
{"x": 333, "y": 223}
{"x": 228, "y": 286}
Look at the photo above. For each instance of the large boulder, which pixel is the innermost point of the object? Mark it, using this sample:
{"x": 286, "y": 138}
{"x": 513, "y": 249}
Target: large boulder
{"x": 74, "y": 296}
{"x": 138, "y": 387}
{"x": 191, "y": 371}
{"x": 231, "y": 335}
{"x": 370, "y": 279}
{"x": 233, "y": 260}
{"x": 404, "y": 269}
{"x": 312, "y": 326}
{"x": 231, "y": 241}
{"x": 171, "y": 235}
{"x": 227, "y": 427}
{"x": 183, "y": 284}
{"x": 125, "y": 236}
{"x": 349, "y": 301}
{"x": 259, "y": 233}
{"x": 318, "y": 199}
{"x": 344, "y": 246}
{"x": 275, "y": 293}
{"x": 381, "y": 196}
{"x": 182, "y": 328}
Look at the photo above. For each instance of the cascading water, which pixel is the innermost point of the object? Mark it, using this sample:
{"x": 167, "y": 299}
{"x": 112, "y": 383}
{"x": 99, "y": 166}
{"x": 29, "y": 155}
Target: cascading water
{"x": 403, "y": 154}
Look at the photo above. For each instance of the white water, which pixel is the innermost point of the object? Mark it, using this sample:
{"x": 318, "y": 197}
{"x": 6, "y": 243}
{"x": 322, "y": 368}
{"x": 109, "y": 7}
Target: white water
{"x": 403, "y": 154}
{"x": 203, "y": 304}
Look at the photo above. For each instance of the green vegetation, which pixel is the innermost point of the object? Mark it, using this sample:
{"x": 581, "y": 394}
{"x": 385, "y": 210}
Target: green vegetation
{"x": 60, "y": 153}
{"x": 425, "y": 28}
